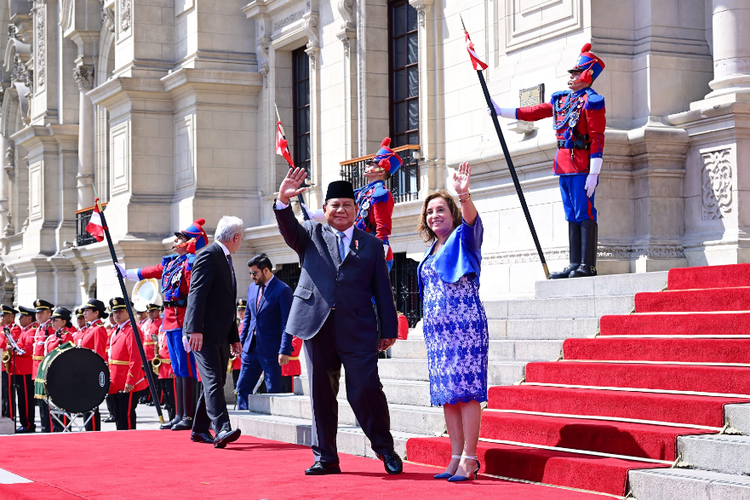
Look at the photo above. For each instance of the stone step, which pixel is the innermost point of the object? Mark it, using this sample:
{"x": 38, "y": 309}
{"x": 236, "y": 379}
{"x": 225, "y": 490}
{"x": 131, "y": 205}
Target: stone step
{"x": 407, "y": 392}
{"x": 728, "y": 454}
{"x": 535, "y": 329}
{"x": 350, "y": 439}
{"x": 684, "y": 484}
{"x": 500, "y": 350}
{"x": 738, "y": 416}
{"x": 499, "y": 373}
{"x": 602, "y": 286}
{"x": 566, "y": 307}
{"x": 413, "y": 419}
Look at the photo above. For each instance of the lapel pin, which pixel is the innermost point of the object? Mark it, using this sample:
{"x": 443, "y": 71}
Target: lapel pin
{"x": 356, "y": 245}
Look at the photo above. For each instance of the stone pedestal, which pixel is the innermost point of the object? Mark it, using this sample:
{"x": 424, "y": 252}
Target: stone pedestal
{"x": 731, "y": 48}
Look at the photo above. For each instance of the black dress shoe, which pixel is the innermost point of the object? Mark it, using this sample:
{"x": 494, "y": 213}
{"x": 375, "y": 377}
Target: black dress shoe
{"x": 201, "y": 437}
{"x": 392, "y": 462}
{"x": 323, "y": 468}
{"x": 109, "y": 419}
{"x": 224, "y": 437}
{"x": 26, "y": 430}
{"x": 185, "y": 424}
{"x": 583, "y": 271}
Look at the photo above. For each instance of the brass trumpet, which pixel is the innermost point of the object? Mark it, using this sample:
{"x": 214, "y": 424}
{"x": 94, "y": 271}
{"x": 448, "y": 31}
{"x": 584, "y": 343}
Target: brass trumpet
{"x": 155, "y": 364}
{"x": 229, "y": 364}
{"x": 6, "y": 361}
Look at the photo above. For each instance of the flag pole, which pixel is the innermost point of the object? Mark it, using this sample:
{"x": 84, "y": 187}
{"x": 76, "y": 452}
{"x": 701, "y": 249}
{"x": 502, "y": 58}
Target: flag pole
{"x": 299, "y": 196}
{"x": 136, "y": 331}
{"x": 511, "y": 168}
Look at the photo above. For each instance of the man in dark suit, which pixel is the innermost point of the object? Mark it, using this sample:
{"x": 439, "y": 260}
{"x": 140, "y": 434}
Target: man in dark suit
{"x": 265, "y": 345}
{"x": 343, "y": 269}
{"x": 210, "y": 320}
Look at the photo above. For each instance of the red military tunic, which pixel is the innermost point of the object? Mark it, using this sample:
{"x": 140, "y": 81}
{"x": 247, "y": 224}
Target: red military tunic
{"x": 165, "y": 369}
{"x": 125, "y": 366}
{"x": 293, "y": 368}
{"x": 149, "y": 344}
{"x": 3, "y": 347}
{"x": 41, "y": 334}
{"x": 579, "y": 119}
{"x": 57, "y": 339}
{"x": 95, "y": 337}
{"x": 24, "y": 337}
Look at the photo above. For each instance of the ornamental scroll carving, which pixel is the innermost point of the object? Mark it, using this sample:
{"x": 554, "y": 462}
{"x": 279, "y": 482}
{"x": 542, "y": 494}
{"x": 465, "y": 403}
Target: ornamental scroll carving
{"x": 125, "y": 6}
{"x": 84, "y": 76}
{"x": 716, "y": 184}
{"x": 40, "y": 49}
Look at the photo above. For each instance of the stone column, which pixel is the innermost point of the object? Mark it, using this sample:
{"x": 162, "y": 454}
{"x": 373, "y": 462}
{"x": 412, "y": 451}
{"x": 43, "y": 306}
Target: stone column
{"x": 4, "y": 205}
{"x": 731, "y": 19}
{"x": 84, "y": 75}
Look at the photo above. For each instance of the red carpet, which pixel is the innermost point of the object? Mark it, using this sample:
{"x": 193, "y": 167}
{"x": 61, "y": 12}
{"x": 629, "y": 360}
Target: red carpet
{"x": 676, "y": 324}
{"x": 709, "y": 277}
{"x": 715, "y": 299}
{"x": 158, "y": 464}
{"x": 662, "y": 349}
{"x": 693, "y": 305}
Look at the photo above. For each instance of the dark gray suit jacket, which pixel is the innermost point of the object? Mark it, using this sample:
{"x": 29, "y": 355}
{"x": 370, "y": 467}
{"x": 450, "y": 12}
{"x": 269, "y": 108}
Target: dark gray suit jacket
{"x": 211, "y": 306}
{"x": 350, "y": 285}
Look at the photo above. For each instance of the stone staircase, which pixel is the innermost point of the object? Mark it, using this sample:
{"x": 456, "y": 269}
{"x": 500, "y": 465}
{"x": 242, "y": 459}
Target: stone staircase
{"x": 521, "y": 330}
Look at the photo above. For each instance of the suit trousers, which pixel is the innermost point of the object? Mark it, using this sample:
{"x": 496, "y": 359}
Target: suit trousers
{"x": 212, "y": 362}
{"x": 25, "y": 396}
{"x": 253, "y": 364}
{"x": 363, "y": 391}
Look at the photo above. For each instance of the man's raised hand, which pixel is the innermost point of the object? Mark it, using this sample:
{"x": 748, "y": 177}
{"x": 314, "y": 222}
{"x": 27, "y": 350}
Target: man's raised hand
{"x": 290, "y": 186}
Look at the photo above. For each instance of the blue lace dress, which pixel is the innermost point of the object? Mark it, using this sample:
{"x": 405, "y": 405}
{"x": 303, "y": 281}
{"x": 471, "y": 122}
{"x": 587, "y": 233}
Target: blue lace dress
{"x": 455, "y": 331}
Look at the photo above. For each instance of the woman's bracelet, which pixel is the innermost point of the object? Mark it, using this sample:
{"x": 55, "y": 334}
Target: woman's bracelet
{"x": 465, "y": 199}
{"x": 461, "y": 194}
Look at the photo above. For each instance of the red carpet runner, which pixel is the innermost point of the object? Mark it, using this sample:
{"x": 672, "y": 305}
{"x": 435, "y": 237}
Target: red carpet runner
{"x": 665, "y": 371}
{"x": 158, "y": 464}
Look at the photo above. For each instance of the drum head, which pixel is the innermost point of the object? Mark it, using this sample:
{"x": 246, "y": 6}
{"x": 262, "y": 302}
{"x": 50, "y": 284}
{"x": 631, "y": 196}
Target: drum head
{"x": 77, "y": 380}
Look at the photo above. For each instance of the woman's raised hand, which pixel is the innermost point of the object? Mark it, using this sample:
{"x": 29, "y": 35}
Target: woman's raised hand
{"x": 461, "y": 177}
{"x": 290, "y": 186}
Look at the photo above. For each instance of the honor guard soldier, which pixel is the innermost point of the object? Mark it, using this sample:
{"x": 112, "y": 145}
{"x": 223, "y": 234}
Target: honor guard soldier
{"x": 579, "y": 122}
{"x": 43, "y": 332}
{"x": 149, "y": 337}
{"x": 96, "y": 338}
{"x": 292, "y": 368}
{"x": 164, "y": 371}
{"x": 235, "y": 363}
{"x": 24, "y": 336}
{"x": 110, "y": 327}
{"x": 174, "y": 272}
{"x": 8, "y": 322}
{"x": 127, "y": 378}
{"x": 80, "y": 320}
{"x": 375, "y": 201}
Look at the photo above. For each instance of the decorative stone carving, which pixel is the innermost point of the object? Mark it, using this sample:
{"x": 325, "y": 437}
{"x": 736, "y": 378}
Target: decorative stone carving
{"x": 310, "y": 27}
{"x": 346, "y": 9}
{"x": 108, "y": 19}
{"x": 716, "y": 185}
{"x": 84, "y": 76}
{"x": 40, "y": 49}
{"x": 10, "y": 162}
{"x": 125, "y": 7}
{"x": 20, "y": 73}
{"x": 291, "y": 18}
{"x": 13, "y": 32}
{"x": 264, "y": 73}
{"x": 421, "y": 8}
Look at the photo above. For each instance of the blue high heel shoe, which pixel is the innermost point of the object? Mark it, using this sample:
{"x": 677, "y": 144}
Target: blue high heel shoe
{"x": 446, "y": 475}
{"x": 457, "y": 478}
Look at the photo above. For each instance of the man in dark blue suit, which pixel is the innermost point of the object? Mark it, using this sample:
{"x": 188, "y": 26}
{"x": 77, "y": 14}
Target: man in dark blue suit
{"x": 344, "y": 279}
{"x": 265, "y": 344}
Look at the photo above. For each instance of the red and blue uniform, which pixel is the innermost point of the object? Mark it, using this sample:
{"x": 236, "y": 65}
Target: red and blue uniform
{"x": 579, "y": 123}
{"x": 375, "y": 212}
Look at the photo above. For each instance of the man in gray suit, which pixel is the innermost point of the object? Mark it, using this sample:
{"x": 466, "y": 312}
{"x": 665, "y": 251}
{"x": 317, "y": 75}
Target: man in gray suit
{"x": 343, "y": 269}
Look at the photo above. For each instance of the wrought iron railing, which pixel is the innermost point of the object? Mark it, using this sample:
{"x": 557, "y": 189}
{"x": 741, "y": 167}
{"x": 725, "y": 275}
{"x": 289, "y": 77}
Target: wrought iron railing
{"x": 404, "y": 184}
{"x": 406, "y": 287}
{"x": 82, "y": 220}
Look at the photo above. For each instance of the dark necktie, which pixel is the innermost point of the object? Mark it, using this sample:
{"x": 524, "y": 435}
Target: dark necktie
{"x": 260, "y": 295}
{"x": 231, "y": 269}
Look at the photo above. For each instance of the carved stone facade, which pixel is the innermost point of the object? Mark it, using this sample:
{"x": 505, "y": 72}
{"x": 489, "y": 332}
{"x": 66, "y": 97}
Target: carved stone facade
{"x": 167, "y": 111}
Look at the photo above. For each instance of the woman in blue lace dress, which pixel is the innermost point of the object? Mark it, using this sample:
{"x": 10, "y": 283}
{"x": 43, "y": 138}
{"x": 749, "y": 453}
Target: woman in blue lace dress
{"x": 454, "y": 321}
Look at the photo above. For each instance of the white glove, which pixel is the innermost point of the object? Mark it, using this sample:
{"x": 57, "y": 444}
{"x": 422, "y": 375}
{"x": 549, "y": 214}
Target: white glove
{"x": 504, "y": 112}
{"x": 593, "y": 178}
{"x": 121, "y": 269}
{"x": 385, "y": 249}
{"x": 186, "y": 343}
{"x": 317, "y": 215}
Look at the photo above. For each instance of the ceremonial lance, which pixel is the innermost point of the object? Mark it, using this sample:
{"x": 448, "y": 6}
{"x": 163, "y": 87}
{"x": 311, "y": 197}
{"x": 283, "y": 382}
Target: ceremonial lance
{"x": 97, "y": 227}
{"x": 282, "y": 148}
{"x": 479, "y": 66}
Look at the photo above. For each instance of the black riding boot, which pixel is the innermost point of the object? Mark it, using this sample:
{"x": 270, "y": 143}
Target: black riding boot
{"x": 589, "y": 242}
{"x": 179, "y": 410}
{"x": 574, "y": 242}
{"x": 188, "y": 405}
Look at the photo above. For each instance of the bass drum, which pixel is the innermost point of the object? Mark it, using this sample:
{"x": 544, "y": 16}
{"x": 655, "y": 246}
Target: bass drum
{"x": 75, "y": 379}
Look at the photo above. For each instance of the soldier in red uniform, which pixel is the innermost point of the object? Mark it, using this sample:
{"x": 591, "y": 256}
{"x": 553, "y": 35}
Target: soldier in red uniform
{"x": 127, "y": 378}
{"x": 235, "y": 363}
{"x": 579, "y": 122}
{"x": 9, "y": 402}
{"x": 41, "y": 334}
{"x": 109, "y": 326}
{"x": 23, "y": 364}
{"x": 80, "y": 320}
{"x": 174, "y": 272}
{"x": 166, "y": 375}
{"x": 96, "y": 338}
{"x": 292, "y": 368}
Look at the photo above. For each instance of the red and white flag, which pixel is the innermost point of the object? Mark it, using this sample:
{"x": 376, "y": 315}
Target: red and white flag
{"x": 475, "y": 61}
{"x": 282, "y": 148}
{"x": 95, "y": 226}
